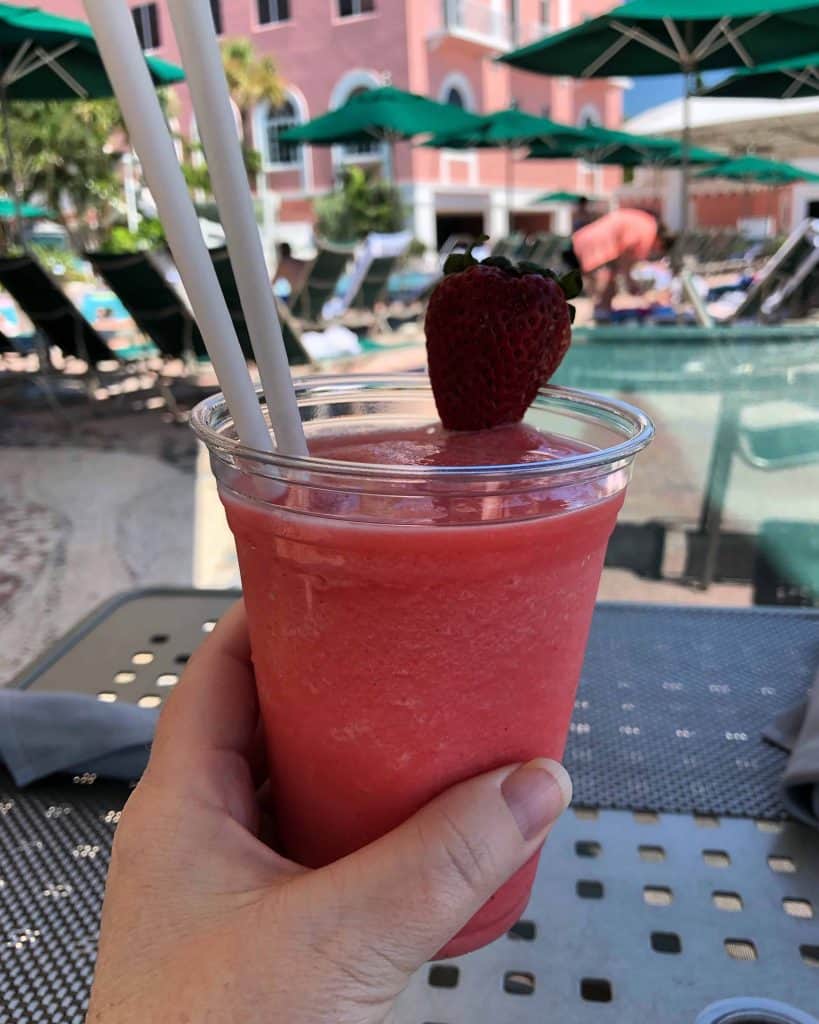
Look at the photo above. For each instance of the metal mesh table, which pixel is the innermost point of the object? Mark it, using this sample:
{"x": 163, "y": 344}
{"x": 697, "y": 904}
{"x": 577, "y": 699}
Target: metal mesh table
{"x": 650, "y": 909}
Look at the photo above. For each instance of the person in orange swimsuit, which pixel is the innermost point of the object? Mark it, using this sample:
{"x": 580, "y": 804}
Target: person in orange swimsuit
{"x": 611, "y": 245}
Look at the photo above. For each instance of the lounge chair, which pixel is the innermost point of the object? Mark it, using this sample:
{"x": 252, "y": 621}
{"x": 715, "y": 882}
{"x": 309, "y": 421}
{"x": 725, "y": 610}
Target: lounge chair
{"x": 321, "y": 280}
{"x": 155, "y": 306}
{"x": 375, "y": 260}
{"x": 296, "y": 352}
{"x": 51, "y": 312}
{"x": 6, "y": 347}
{"x": 786, "y": 566}
{"x": 510, "y": 246}
{"x": 369, "y": 282}
{"x": 548, "y": 252}
{"x": 787, "y": 285}
{"x": 58, "y": 322}
{"x": 691, "y": 292}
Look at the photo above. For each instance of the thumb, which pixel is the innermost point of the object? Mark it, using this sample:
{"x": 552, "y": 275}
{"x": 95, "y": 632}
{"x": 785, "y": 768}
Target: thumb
{"x": 405, "y": 895}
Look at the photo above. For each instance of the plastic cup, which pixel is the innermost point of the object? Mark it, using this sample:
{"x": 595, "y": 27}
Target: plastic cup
{"x": 413, "y": 626}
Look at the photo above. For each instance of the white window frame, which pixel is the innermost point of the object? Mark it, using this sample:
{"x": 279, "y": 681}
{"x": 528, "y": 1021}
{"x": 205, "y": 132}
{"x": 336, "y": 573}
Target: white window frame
{"x": 260, "y": 122}
{"x": 220, "y": 29}
{"x": 457, "y": 80}
{"x": 145, "y": 21}
{"x": 354, "y": 13}
{"x": 349, "y": 83}
{"x": 272, "y": 117}
{"x": 273, "y": 21}
{"x": 589, "y": 113}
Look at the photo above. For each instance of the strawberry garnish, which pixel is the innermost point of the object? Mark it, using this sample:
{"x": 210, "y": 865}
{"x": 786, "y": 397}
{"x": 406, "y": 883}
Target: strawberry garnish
{"x": 496, "y": 332}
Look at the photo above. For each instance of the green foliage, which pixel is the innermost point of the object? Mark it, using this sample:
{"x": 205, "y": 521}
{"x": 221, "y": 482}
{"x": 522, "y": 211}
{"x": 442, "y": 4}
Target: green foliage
{"x": 416, "y": 249}
{"x": 60, "y": 263}
{"x": 362, "y": 204}
{"x": 62, "y": 153}
{"x": 196, "y": 173}
{"x": 251, "y": 78}
{"x": 149, "y": 235}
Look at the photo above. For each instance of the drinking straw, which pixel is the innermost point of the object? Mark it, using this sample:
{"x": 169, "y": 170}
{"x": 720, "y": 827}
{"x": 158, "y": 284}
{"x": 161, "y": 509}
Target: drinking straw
{"x": 202, "y": 61}
{"x": 125, "y": 64}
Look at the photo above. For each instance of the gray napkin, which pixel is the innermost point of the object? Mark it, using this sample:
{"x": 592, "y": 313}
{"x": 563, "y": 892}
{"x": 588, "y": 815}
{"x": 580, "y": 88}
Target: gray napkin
{"x": 43, "y": 733}
{"x": 797, "y": 731}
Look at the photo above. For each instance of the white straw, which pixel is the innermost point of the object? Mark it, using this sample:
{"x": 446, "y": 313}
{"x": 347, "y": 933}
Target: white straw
{"x": 123, "y": 59}
{"x": 202, "y": 60}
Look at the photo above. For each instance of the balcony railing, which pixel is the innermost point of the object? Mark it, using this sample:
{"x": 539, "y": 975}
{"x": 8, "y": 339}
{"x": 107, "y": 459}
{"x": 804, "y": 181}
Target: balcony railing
{"x": 531, "y": 32}
{"x": 478, "y": 22}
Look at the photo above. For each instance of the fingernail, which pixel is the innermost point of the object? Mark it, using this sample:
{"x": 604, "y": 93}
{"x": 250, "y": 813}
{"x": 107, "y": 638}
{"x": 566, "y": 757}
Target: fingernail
{"x": 537, "y": 794}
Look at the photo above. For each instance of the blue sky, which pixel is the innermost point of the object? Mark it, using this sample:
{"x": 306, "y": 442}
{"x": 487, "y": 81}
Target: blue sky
{"x": 650, "y": 92}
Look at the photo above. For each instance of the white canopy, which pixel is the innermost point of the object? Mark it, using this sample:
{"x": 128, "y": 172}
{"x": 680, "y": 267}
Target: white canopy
{"x": 780, "y": 129}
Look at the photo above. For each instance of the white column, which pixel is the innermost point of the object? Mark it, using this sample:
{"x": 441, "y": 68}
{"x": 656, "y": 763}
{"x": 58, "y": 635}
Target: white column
{"x": 421, "y": 201}
{"x": 498, "y": 226}
{"x": 672, "y": 201}
{"x": 562, "y": 220}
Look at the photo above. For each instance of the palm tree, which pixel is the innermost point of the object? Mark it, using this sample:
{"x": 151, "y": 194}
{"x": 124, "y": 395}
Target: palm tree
{"x": 67, "y": 155}
{"x": 251, "y": 79}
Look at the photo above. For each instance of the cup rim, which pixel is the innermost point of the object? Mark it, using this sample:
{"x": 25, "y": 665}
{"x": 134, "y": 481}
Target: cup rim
{"x": 608, "y": 411}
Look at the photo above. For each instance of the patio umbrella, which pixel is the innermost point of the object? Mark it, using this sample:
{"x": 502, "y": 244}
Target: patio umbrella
{"x": 660, "y": 37}
{"x": 780, "y": 80}
{"x": 46, "y": 57}
{"x": 565, "y": 197}
{"x": 752, "y": 169}
{"x": 509, "y": 130}
{"x": 757, "y": 169}
{"x": 24, "y": 210}
{"x": 624, "y": 149}
{"x": 386, "y": 114}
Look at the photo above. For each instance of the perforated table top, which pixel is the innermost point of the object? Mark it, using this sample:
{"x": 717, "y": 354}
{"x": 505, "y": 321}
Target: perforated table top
{"x": 630, "y": 913}
{"x": 669, "y": 713}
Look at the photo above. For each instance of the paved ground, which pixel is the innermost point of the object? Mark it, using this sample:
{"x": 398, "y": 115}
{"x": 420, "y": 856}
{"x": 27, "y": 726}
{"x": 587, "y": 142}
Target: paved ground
{"x": 124, "y": 499}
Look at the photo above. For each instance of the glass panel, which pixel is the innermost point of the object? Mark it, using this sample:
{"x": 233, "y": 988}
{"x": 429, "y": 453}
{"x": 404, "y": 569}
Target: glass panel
{"x": 278, "y": 151}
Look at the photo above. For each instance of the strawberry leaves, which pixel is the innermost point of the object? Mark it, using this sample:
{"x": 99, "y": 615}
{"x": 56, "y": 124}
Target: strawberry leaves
{"x": 571, "y": 284}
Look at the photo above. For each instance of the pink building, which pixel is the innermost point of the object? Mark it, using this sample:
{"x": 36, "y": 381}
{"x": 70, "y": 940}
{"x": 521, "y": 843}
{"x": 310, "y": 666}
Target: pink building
{"x": 329, "y": 49}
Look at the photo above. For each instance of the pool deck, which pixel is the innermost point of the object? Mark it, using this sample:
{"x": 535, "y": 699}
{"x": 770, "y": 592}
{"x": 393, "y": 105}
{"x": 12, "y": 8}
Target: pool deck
{"x": 125, "y": 499}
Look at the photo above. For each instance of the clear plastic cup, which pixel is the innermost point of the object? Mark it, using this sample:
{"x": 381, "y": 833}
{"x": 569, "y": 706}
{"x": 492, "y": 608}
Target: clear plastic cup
{"x": 413, "y": 626}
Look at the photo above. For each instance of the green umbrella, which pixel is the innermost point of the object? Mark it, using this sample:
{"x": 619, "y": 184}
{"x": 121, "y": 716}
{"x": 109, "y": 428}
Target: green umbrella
{"x": 8, "y": 210}
{"x": 565, "y": 197}
{"x": 779, "y": 80}
{"x": 656, "y": 37}
{"x": 661, "y": 37}
{"x": 509, "y": 129}
{"x": 46, "y": 57}
{"x": 757, "y": 169}
{"x": 623, "y": 149}
{"x": 386, "y": 114}
{"x": 764, "y": 172}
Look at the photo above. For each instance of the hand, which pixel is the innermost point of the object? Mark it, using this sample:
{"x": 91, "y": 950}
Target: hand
{"x": 205, "y": 922}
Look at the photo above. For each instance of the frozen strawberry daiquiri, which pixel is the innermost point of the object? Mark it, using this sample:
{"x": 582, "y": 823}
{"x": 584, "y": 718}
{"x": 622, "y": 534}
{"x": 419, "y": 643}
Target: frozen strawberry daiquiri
{"x": 418, "y": 597}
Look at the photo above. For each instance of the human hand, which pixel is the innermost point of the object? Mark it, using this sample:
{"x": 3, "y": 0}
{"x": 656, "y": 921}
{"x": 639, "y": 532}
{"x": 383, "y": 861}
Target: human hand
{"x": 203, "y": 921}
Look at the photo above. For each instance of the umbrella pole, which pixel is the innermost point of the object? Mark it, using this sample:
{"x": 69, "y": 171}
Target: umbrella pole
{"x": 685, "y": 166}
{"x": 390, "y": 168}
{"x": 17, "y": 233}
{"x": 509, "y": 189}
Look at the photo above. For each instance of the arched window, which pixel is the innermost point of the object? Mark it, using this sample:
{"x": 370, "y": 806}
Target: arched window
{"x": 353, "y": 83}
{"x": 589, "y": 116}
{"x": 366, "y": 146}
{"x": 277, "y": 152}
{"x": 455, "y": 98}
{"x": 456, "y": 90}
